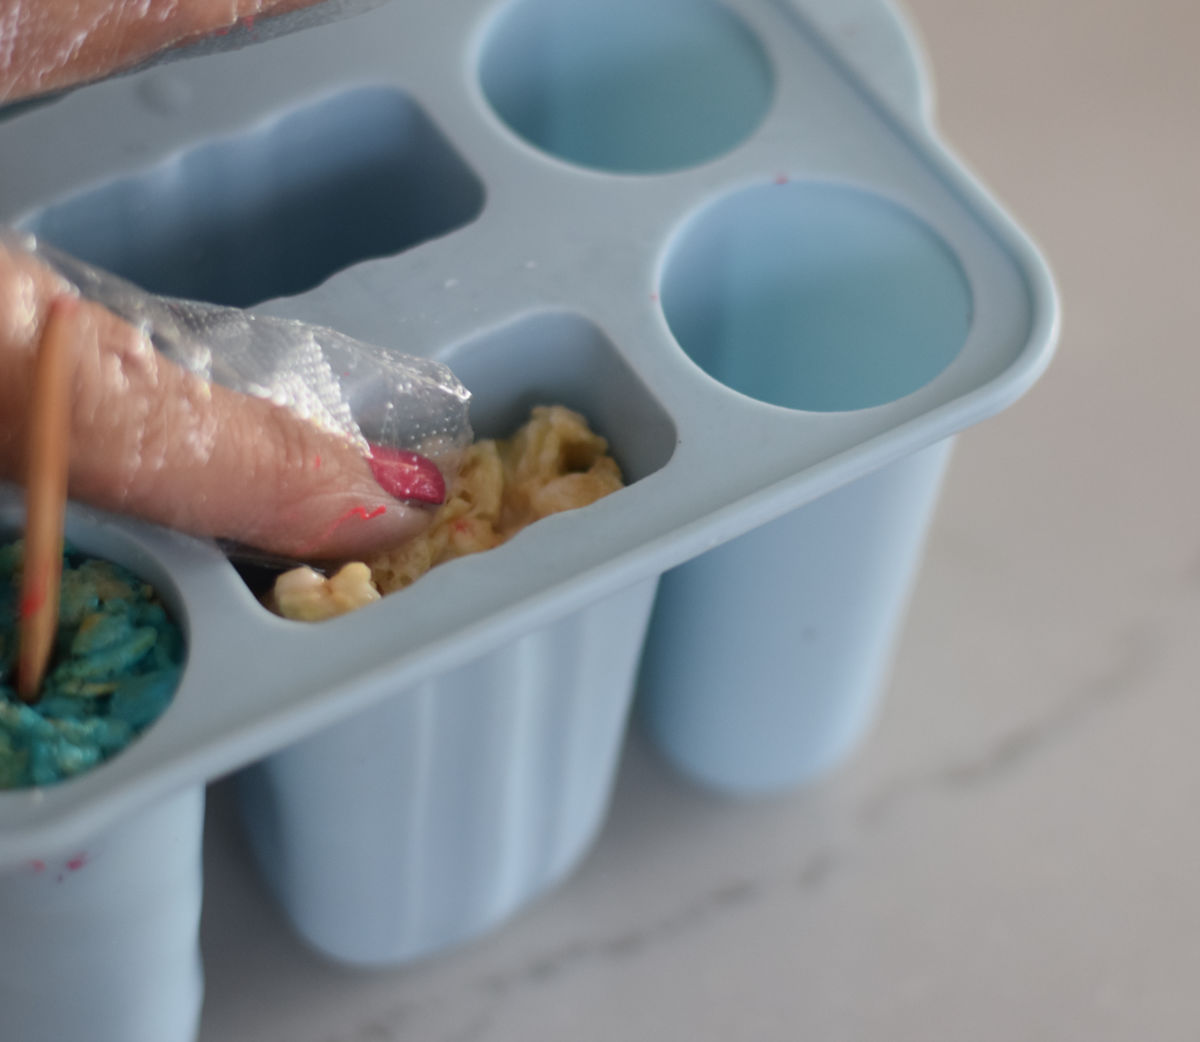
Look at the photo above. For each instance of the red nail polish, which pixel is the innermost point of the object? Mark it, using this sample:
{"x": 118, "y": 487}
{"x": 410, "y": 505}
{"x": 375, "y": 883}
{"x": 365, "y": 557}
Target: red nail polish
{"x": 407, "y": 475}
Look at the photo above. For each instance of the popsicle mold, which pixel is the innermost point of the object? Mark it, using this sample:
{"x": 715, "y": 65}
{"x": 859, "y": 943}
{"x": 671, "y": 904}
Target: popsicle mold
{"x": 423, "y": 821}
{"x": 778, "y": 312}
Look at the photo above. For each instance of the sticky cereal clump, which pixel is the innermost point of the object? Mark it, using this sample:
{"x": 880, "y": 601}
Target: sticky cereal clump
{"x": 307, "y": 595}
{"x": 554, "y": 462}
{"x": 116, "y": 663}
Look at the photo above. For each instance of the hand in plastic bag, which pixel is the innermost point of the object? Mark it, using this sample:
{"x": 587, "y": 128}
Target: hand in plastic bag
{"x": 47, "y": 45}
{"x": 335, "y": 449}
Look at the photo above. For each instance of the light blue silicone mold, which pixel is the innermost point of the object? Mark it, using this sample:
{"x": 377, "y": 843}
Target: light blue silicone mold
{"x": 729, "y": 235}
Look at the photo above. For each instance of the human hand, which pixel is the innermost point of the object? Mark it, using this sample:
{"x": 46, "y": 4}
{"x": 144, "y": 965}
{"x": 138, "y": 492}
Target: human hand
{"x": 151, "y": 439}
{"x": 48, "y": 45}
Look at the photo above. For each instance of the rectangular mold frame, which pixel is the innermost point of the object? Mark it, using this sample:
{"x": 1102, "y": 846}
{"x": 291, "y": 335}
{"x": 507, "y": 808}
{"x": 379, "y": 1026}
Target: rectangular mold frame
{"x": 482, "y": 276}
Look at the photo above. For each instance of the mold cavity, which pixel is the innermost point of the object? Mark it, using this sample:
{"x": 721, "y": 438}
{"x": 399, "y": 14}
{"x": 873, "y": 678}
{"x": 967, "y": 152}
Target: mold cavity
{"x": 562, "y": 359}
{"x": 116, "y": 662}
{"x": 625, "y": 85}
{"x": 277, "y": 210}
{"x": 815, "y": 297}
{"x": 545, "y": 359}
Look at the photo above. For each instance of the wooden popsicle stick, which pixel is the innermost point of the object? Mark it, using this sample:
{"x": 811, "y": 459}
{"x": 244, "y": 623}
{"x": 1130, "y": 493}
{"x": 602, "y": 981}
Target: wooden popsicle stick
{"x": 46, "y": 494}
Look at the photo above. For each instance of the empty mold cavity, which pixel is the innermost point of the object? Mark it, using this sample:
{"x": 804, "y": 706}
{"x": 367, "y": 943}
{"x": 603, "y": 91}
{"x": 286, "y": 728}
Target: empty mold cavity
{"x": 556, "y": 358}
{"x": 110, "y": 543}
{"x": 625, "y": 85}
{"x": 277, "y": 210}
{"x": 816, "y": 297}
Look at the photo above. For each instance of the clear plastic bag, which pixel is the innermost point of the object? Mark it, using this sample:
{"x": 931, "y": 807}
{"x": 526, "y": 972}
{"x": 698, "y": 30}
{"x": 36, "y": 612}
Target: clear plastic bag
{"x": 368, "y": 395}
{"x": 50, "y": 45}
{"x": 364, "y": 412}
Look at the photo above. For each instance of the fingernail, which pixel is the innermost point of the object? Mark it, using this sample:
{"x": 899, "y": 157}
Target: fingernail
{"x": 407, "y": 475}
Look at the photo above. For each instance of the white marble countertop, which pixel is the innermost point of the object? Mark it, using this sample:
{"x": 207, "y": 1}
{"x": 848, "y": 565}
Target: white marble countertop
{"x": 1014, "y": 853}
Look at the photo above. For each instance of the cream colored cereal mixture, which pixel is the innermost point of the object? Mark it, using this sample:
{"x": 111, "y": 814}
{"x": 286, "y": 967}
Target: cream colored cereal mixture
{"x": 554, "y": 462}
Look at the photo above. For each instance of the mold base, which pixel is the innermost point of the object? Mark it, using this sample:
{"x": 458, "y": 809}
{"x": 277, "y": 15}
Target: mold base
{"x": 278, "y": 209}
{"x": 433, "y": 817}
{"x": 102, "y": 944}
{"x": 767, "y": 656}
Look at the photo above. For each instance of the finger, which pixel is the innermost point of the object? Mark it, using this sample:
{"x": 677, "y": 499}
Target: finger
{"x": 153, "y": 440}
{"x": 47, "y": 45}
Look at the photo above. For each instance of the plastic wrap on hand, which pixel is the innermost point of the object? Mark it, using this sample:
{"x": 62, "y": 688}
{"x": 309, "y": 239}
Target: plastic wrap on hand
{"x": 51, "y": 45}
{"x": 366, "y": 394}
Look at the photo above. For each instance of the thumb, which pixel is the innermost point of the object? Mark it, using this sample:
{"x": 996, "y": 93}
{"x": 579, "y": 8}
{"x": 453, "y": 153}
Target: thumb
{"x": 151, "y": 439}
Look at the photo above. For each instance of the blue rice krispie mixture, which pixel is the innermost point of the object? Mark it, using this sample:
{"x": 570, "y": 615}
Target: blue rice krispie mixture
{"x": 116, "y": 663}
